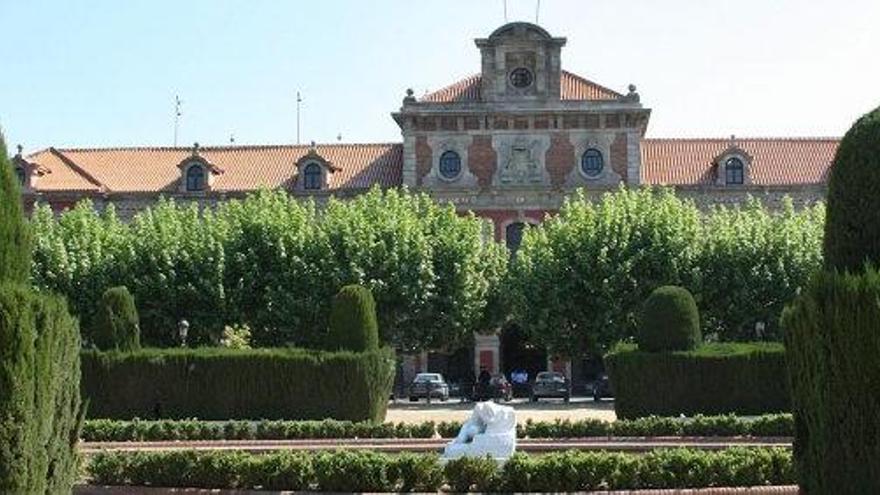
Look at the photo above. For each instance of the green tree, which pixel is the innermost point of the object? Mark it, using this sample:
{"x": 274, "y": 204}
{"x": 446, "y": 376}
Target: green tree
{"x": 580, "y": 278}
{"x": 353, "y": 324}
{"x": 117, "y": 325}
{"x": 40, "y": 414}
{"x": 852, "y": 232}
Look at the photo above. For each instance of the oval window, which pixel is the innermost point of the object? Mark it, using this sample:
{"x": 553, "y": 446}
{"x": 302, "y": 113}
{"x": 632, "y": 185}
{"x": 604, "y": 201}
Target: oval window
{"x": 592, "y": 163}
{"x": 450, "y": 165}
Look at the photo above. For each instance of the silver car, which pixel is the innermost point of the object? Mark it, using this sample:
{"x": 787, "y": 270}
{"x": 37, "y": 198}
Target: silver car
{"x": 426, "y": 384}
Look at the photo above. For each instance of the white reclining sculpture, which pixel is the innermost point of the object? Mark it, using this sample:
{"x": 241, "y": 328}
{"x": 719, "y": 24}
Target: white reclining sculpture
{"x": 491, "y": 430}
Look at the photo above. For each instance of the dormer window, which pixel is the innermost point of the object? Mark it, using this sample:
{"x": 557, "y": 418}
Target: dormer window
{"x": 734, "y": 170}
{"x": 21, "y": 175}
{"x": 196, "y": 172}
{"x": 195, "y": 178}
{"x": 312, "y": 177}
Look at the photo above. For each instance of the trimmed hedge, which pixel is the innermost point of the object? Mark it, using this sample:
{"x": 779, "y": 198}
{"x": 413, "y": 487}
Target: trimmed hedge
{"x": 108, "y": 430}
{"x": 713, "y": 379}
{"x": 670, "y": 321}
{"x": 214, "y": 383}
{"x": 374, "y": 472}
{"x": 117, "y": 325}
{"x": 833, "y": 341}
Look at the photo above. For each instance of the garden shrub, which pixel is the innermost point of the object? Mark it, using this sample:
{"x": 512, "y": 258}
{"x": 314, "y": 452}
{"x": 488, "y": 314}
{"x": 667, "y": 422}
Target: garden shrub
{"x": 353, "y": 324}
{"x": 833, "y": 342}
{"x": 216, "y": 383}
{"x": 572, "y": 471}
{"x": 670, "y": 321}
{"x": 40, "y": 411}
{"x": 852, "y": 226}
{"x": 117, "y": 325}
{"x": 713, "y": 379}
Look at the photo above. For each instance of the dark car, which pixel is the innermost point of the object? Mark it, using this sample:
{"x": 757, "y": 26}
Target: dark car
{"x": 602, "y": 388}
{"x": 551, "y": 384}
{"x": 426, "y": 384}
{"x": 497, "y": 388}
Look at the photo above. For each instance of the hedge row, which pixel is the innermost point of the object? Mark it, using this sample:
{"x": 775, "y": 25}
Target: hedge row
{"x": 106, "y": 430}
{"x": 238, "y": 384}
{"x": 713, "y": 379}
{"x": 375, "y": 472}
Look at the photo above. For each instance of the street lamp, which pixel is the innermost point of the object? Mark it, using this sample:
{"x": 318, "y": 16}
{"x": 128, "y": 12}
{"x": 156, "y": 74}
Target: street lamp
{"x": 182, "y": 331}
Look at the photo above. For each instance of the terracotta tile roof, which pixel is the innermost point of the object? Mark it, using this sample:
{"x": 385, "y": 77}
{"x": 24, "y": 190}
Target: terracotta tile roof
{"x": 573, "y": 87}
{"x": 244, "y": 167}
{"x": 776, "y": 161}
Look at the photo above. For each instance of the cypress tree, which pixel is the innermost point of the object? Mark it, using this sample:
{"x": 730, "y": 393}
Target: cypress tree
{"x": 353, "y": 325}
{"x": 40, "y": 411}
{"x": 117, "y": 325}
{"x": 852, "y": 224}
{"x": 15, "y": 247}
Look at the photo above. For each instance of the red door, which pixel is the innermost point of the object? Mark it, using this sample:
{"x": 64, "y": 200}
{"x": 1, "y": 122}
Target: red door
{"x": 487, "y": 360}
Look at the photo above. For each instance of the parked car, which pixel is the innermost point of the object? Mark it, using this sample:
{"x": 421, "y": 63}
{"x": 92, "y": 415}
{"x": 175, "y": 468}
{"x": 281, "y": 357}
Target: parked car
{"x": 499, "y": 388}
{"x": 551, "y": 384}
{"x": 426, "y": 384}
{"x": 602, "y": 387}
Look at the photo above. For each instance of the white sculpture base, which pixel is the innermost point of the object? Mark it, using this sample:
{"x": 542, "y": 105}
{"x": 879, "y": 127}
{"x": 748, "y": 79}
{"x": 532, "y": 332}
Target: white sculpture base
{"x": 490, "y": 431}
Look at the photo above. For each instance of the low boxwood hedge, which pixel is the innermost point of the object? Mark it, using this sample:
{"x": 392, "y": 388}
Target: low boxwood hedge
{"x": 719, "y": 378}
{"x": 375, "y": 472}
{"x": 214, "y": 383}
{"x": 107, "y": 430}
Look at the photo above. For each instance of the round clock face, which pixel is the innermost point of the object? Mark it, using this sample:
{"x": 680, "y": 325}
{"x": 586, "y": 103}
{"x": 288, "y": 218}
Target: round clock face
{"x": 521, "y": 78}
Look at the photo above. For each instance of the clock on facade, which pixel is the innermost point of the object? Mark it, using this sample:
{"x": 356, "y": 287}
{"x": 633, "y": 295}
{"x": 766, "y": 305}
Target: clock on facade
{"x": 521, "y": 77}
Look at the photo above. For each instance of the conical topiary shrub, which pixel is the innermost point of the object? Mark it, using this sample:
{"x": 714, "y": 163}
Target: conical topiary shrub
{"x": 832, "y": 335}
{"x": 670, "y": 321}
{"x": 117, "y": 325}
{"x": 353, "y": 325}
{"x": 40, "y": 412}
{"x": 852, "y": 224}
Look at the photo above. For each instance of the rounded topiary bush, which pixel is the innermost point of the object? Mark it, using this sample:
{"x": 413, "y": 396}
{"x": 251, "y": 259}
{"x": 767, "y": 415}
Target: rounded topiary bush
{"x": 353, "y": 325}
{"x": 117, "y": 325}
{"x": 670, "y": 321}
{"x": 852, "y": 226}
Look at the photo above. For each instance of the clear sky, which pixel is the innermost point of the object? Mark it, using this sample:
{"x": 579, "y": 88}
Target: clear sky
{"x": 105, "y": 72}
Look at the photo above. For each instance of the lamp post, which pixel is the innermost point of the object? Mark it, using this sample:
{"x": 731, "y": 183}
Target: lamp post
{"x": 183, "y": 331}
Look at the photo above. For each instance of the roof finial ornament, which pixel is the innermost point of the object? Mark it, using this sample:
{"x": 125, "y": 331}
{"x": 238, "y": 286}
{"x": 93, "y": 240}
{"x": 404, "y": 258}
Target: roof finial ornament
{"x": 410, "y": 96}
{"x": 19, "y": 148}
{"x": 632, "y": 96}
{"x": 195, "y": 151}
{"x": 313, "y": 147}
{"x": 732, "y": 140}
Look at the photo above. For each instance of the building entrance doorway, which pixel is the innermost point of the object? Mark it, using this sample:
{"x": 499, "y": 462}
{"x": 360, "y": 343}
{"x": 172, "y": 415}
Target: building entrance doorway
{"x": 519, "y": 354}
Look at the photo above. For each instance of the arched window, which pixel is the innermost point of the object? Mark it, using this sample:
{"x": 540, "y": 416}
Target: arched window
{"x": 592, "y": 163}
{"x": 734, "y": 170}
{"x": 312, "y": 177}
{"x": 21, "y": 175}
{"x": 195, "y": 178}
{"x": 450, "y": 165}
{"x": 513, "y": 236}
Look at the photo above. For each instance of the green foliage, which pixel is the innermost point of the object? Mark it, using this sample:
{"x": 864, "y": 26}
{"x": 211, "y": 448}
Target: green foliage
{"x": 580, "y": 278}
{"x": 572, "y": 471}
{"x": 353, "y": 324}
{"x": 833, "y": 340}
{"x": 137, "y": 430}
{"x": 670, "y": 321}
{"x": 852, "y": 232}
{"x": 752, "y": 263}
{"x": 273, "y": 263}
{"x": 15, "y": 241}
{"x": 40, "y": 411}
{"x": 713, "y": 379}
{"x": 117, "y": 324}
{"x": 216, "y": 383}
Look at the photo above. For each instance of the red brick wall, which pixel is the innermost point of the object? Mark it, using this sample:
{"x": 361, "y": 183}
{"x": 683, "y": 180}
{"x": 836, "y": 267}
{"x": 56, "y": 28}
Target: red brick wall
{"x": 560, "y": 158}
{"x": 482, "y": 160}
{"x": 618, "y": 155}
{"x": 423, "y": 158}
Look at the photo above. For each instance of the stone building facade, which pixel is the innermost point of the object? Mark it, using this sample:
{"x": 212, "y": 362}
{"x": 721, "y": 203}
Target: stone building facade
{"x": 508, "y": 143}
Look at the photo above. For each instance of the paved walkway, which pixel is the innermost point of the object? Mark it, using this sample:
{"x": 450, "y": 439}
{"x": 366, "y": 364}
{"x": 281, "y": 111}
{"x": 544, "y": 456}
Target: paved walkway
{"x": 403, "y": 411}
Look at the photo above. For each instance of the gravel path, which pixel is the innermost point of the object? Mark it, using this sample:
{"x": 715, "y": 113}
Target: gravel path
{"x": 403, "y": 411}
